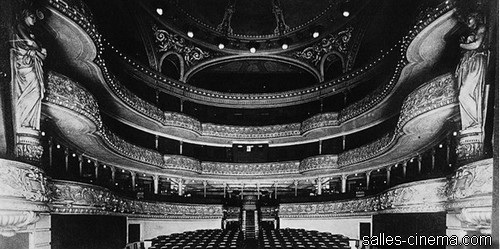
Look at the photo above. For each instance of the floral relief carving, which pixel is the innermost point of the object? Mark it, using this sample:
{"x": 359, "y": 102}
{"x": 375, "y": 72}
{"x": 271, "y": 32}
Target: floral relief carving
{"x": 250, "y": 168}
{"x": 76, "y": 198}
{"x": 63, "y": 91}
{"x": 170, "y": 42}
{"x": 438, "y": 92}
{"x": 319, "y": 162}
{"x": 28, "y": 183}
{"x": 366, "y": 151}
{"x": 334, "y": 42}
{"x": 423, "y": 196}
{"x": 251, "y": 131}
{"x": 471, "y": 180}
{"x": 319, "y": 121}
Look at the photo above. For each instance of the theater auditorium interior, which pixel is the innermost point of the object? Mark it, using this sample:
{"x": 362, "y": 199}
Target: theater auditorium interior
{"x": 194, "y": 124}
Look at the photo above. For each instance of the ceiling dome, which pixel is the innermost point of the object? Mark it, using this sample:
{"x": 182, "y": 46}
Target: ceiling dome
{"x": 255, "y": 18}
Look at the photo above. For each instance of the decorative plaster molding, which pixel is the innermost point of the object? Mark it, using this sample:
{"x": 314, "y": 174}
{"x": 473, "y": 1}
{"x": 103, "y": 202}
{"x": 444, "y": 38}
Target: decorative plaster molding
{"x": 251, "y": 132}
{"x": 13, "y": 221}
{"x": 333, "y": 43}
{"x": 367, "y": 151}
{"x": 421, "y": 196}
{"x": 65, "y": 92}
{"x": 23, "y": 193}
{"x": 23, "y": 181}
{"x": 471, "y": 180}
{"x": 216, "y": 168}
{"x": 438, "y": 92}
{"x": 79, "y": 198}
{"x": 321, "y": 120}
{"x": 319, "y": 162}
{"x": 169, "y": 42}
{"x": 130, "y": 150}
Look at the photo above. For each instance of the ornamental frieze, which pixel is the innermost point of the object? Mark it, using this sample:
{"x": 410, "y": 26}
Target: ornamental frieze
{"x": 255, "y": 132}
{"x": 439, "y": 92}
{"x": 366, "y": 151}
{"x": 170, "y": 42}
{"x": 130, "y": 150}
{"x": 320, "y": 121}
{"x": 319, "y": 162}
{"x": 181, "y": 162}
{"x": 250, "y": 168}
{"x": 63, "y": 91}
{"x": 79, "y": 198}
{"x": 422, "y": 196}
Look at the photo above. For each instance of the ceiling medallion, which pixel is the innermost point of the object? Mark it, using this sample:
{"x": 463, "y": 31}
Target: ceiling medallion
{"x": 169, "y": 42}
{"x": 331, "y": 43}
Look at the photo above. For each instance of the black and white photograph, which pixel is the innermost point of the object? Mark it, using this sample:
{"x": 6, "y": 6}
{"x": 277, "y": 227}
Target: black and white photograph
{"x": 249, "y": 124}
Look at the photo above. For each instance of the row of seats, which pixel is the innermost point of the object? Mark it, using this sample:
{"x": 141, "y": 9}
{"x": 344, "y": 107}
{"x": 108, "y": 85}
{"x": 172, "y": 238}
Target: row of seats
{"x": 301, "y": 239}
{"x": 200, "y": 239}
{"x": 267, "y": 239}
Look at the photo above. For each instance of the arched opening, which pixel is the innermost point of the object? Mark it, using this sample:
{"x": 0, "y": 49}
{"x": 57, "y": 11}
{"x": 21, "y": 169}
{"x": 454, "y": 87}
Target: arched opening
{"x": 171, "y": 66}
{"x": 332, "y": 67}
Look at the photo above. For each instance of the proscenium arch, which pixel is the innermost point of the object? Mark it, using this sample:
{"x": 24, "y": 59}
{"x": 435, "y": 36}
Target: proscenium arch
{"x": 179, "y": 57}
{"x": 300, "y": 64}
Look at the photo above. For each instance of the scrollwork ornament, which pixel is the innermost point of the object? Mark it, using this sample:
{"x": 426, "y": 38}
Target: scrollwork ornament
{"x": 333, "y": 43}
{"x": 169, "y": 42}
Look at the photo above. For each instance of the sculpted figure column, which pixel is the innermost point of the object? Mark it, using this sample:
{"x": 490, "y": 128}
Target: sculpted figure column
{"x": 470, "y": 75}
{"x": 28, "y": 86}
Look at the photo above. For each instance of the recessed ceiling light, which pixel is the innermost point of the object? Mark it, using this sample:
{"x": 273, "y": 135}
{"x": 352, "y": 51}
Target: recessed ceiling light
{"x": 346, "y": 13}
{"x": 159, "y": 11}
{"x": 253, "y": 50}
{"x": 190, "y": 34}
{"x": 221, "y": 46}
{"x": 315, "y": 34}
{"x": 284, "y": 46}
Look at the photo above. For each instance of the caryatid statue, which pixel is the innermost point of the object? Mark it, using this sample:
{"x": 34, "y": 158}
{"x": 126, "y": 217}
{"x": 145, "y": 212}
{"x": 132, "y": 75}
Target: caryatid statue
{"x": 28, "y": 76}
{"x": 471, "y": 72}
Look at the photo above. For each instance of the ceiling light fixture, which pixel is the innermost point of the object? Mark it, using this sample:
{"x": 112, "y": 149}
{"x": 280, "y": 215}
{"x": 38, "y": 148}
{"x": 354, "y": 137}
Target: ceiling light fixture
{"x": 222, "y": 42}
{"x": 346, "y": 13}
{"x": 159, "y": 11}
{"x": 315, "y": 34}
{"x": 284, "y": 43}
{"x": 190, "y": 34}
{"x": 253, "y": 50}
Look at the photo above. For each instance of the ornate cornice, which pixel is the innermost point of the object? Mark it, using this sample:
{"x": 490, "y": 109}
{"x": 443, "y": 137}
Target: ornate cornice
{"x": 242, "y": 100}
{"x": 79, "y": 198}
